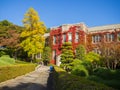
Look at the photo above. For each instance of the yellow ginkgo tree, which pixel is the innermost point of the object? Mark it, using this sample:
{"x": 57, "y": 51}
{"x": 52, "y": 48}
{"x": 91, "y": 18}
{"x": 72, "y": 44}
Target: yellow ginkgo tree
{"x": 33, "y": 35}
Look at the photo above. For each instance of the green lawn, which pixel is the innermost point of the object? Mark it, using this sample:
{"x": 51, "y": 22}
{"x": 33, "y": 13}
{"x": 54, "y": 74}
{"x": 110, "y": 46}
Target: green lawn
{"x": 6, "y": 60}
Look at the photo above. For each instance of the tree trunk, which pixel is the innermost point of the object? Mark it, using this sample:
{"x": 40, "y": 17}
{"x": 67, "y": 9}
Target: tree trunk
{"x": 33, "y": 57}
{"x": 108, "y": 64}
{"x": 115, "y": 64}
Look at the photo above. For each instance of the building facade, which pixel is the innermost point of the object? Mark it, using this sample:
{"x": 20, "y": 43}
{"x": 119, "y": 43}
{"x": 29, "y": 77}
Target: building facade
{"x": 79, "y": 33}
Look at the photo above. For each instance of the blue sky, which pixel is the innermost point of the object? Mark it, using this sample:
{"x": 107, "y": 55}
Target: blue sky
{"x": 58, "y": 12}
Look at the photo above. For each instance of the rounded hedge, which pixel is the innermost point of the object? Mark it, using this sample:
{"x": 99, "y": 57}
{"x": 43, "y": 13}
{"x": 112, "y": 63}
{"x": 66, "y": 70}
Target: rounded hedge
{"x": 80, "y": 71}
{"x": 103, "y": 73}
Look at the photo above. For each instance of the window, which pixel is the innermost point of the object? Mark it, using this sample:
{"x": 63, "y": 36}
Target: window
{"x": 77, "y": 37}
{"x": 38, "y": 56}
{"x": 118, "y": 36}
{"x": 64, "y": 37}
{"x": 54, "y": 55}
{"x": 70, "y": 37}
{"x": 59, "y": 39}
{"x": 96, "y": 38}
{"x": 54, "y": 39}
{"x": 109, "y": 37}
{"x": 96, "y": 50}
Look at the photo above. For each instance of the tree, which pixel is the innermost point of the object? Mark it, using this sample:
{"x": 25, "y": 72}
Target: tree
{"x": 5, "y": 23}
{"x": 10, "y": 39}
{"x": 33, "y": 35}
{"x": 67, "y": 56}
{"x": 93, "y": 58}
{"x": 46, "y": 56}
{"x": 80, "y": 52}
{"x": 11, "y": 42}
{"x": 110, "y": 54}
{"x": 114, "y": 55}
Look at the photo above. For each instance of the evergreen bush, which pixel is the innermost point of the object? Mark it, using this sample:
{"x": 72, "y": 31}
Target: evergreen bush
{"x": 67, "y": 56}
{"x": 80, "y": 71}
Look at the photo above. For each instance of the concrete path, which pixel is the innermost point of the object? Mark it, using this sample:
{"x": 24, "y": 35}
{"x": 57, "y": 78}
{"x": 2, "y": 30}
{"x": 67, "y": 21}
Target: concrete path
{"x": 40, "y": 79}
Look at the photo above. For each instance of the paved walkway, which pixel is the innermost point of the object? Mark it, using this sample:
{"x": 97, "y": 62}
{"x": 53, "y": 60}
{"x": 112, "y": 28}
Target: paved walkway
{"x": 40, "y": 79}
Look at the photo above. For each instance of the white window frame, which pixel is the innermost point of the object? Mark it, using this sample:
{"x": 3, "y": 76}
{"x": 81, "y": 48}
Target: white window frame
{"x": 69, "y": 37}
{"x": 76, "y": 37}
{"x": 38, "y": 56}
{"x": 54, "y": 54}
{"x": 96, "y": 38}
{"x": 64, "y": 38}
{"x": 118, "y": 36}
{"x": 110, "y": 37}
{"x": 54, "y": 39}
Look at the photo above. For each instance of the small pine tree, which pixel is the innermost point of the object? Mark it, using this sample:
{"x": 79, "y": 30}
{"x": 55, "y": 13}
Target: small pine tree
{"x": 67, "y": 56}
{"x": 80, "y": 52}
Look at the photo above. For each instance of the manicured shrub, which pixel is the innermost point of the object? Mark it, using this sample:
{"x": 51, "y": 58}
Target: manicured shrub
{"x": 80, "y": 71}
{"x": 103, "y": 73}
{"x": 107, "y": 77}
{"x": 6, "y": 60}
{"x": 111, "y": 82}
{"x": 9, "y": 72}
{"x": 66, "y": 81}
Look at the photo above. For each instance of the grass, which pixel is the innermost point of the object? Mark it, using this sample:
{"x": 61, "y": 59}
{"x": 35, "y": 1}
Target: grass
{"x": 10, "y": 72}
{"x": 65, "y": 81}
{"x": 6, "y": 60}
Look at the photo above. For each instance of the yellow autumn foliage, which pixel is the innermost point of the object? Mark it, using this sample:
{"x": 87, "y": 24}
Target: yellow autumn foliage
{"x": 33, "y": 36}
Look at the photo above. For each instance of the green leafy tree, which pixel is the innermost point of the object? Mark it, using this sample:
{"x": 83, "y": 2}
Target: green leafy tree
{"x": 93, "y": 58}
{"x": 33, "y": 35}
{"x": 46, "y": 56}
{"x": 5, "y": 23}
{"x": 80, "y": 52}
{"x": 10, "y": 38}
{"x": 67, "y": 56}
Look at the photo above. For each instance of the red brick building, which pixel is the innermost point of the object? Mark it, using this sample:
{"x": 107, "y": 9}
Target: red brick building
{"x": 80, "y": 34}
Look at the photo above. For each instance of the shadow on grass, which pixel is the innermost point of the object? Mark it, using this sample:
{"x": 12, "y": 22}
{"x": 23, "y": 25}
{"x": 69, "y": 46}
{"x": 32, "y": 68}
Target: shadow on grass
{"x": 25, "y": 86}
{"x": 66, "y": 81}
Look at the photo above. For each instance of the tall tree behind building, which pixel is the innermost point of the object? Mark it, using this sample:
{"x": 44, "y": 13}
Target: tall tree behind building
{"x": 33, "y": 36}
